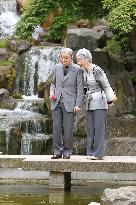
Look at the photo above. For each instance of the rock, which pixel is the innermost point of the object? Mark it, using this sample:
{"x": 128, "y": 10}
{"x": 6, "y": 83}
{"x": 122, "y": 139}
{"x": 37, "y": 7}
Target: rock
{"x": 14, "y": 144}
{"x": 119, "y": 79}
{"x": 3, "y": 143}
{"x": 130, "y": 61}
{"x": 86, "y": 38}
{"x": 122, "y": 146}
{"x": 4, "y": 93}
{"x": 6, "y": 101}
{"x": 133, "y": 38}
{"x": 18, "y": 46}
{"x": 94, "y": 203}
{"x": 41, "y": 145}
{"x": 7, "y": 76}
{"x": 3, "y": 54}
{"x": 47, "y": 93}
{"x": 120, "y": 196}
{"x": 121, "y": 126}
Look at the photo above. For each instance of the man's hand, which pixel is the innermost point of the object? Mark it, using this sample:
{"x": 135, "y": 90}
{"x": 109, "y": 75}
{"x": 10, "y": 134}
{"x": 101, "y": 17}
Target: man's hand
{"x": 51, "y": 94}
{"x": 77, "y": 109}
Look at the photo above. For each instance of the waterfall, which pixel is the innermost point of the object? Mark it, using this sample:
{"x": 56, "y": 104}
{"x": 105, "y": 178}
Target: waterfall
{"x": 32, "y": 126}
{"x": 8, "y": 17}
{"x": 36, "y": 66}
{"x": 8, "y": 5}
{"x": 39, "y": 65}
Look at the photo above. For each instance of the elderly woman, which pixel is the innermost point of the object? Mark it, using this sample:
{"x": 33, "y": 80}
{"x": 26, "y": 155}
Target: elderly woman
{"x": 99, "y": 97}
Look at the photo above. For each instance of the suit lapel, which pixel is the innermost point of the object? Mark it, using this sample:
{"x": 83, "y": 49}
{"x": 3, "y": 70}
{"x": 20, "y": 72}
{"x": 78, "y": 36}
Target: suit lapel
{"x": 61, "y": 73}
{"x": 71, "y": 69}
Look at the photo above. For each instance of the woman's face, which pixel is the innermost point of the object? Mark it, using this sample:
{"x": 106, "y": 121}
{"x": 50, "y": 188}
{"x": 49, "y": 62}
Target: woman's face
{"x": 65, "y": 59}
{"x": 81, "y": 62}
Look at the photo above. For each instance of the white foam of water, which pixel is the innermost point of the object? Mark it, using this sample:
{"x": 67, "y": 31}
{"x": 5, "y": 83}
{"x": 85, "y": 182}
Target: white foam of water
{"x": 39, "y": 65}
{"x": 8, "y": 5}
{"x": 32, "y": 97}
{"x": 8, "y": 21}
{"x": 17, "y": 112}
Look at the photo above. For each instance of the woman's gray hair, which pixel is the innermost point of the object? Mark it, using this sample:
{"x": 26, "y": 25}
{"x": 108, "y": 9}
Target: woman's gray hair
{"x": 85, "y": 54}
{"x": 68, "y": 51}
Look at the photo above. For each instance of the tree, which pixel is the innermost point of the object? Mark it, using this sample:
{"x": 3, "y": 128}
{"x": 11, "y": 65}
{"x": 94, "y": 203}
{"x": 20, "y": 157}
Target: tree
{"x": 121, "y": 15}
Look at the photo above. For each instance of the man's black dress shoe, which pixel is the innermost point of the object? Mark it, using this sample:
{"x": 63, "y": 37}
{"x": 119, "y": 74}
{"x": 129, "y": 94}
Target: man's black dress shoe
{"x": 67, "y": 156}
{"x": 56, "y": 156}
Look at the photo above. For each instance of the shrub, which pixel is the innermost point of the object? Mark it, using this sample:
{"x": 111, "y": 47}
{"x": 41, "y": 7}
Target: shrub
{"x": 113, "y": 46}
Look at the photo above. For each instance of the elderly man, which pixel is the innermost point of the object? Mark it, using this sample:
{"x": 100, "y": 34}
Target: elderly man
{"x": 66, "y": 93}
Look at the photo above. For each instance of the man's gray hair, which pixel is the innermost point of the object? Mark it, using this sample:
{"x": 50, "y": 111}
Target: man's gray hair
{"x": 68, "y": 51}
{"x": 84, "y": 53}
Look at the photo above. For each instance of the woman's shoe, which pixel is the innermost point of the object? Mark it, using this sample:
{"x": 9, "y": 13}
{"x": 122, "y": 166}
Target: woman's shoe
{"x": 96, "y": 158}
{"x": 56, "y": 156}
{"x": 67, "y": 156}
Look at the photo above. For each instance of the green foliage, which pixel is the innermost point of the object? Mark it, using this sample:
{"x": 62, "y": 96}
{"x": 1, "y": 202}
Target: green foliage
{"x": 35, "y": 14}
{"x": 6, "y": 63}
{"x": 133, "y": 79}
{"x": 10, "y": 76}
{"x": 60, "y": 23}
{"x": 121, "y": 13}
{"x": 125, "y": 42}
{"x": 17, "y": 95}
{"x": 113, "y": 46}
{"x": 2, "y": 43}
{"x": 5, "y": 106}
{"x": 36, "y": 11}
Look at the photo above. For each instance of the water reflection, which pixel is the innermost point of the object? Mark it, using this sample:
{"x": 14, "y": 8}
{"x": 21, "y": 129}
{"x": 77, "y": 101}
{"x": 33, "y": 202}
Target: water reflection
{"x": 39, "y": 194}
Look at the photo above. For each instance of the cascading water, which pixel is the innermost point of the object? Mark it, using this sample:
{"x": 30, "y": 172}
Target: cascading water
{"x": 30, "y": 123}
{"x": 38, "y": 66}
{"x": 8, "y": 17}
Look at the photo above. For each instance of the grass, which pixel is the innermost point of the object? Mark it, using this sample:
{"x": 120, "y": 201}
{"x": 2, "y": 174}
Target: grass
{"x": 6, "y": 63}
{"x": 2, "y": 43}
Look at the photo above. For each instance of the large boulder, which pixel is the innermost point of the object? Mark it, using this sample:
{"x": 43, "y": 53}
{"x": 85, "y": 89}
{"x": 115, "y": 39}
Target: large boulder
{"x": 133, "y": 38}
{"x": 130, "y": 62}
{"x": 3, "y": 54}
{"x": 119, "y": 78}
{"x": 120, "y": 196}
{"x": 123, "y": 146}
{"x": 3, "y": 143}
{"x": 6, "y": 101}
{"x": 7, "y": 77}
{"x": 87, "y": 38}
{"x": 18, "y": 46}
{"x": 14, "y": 144}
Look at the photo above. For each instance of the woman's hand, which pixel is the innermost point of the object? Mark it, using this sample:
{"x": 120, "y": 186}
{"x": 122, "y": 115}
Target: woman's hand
{"x": 114, "y": 99}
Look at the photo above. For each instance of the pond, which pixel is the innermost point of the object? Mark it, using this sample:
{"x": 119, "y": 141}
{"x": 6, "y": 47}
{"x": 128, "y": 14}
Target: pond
{"x": 11, "y": 194}
{"x": 38, "y": 194}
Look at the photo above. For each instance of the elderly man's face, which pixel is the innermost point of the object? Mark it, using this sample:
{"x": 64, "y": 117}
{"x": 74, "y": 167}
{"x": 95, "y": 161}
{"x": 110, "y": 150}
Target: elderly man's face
{"x": 65, "y": 59}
